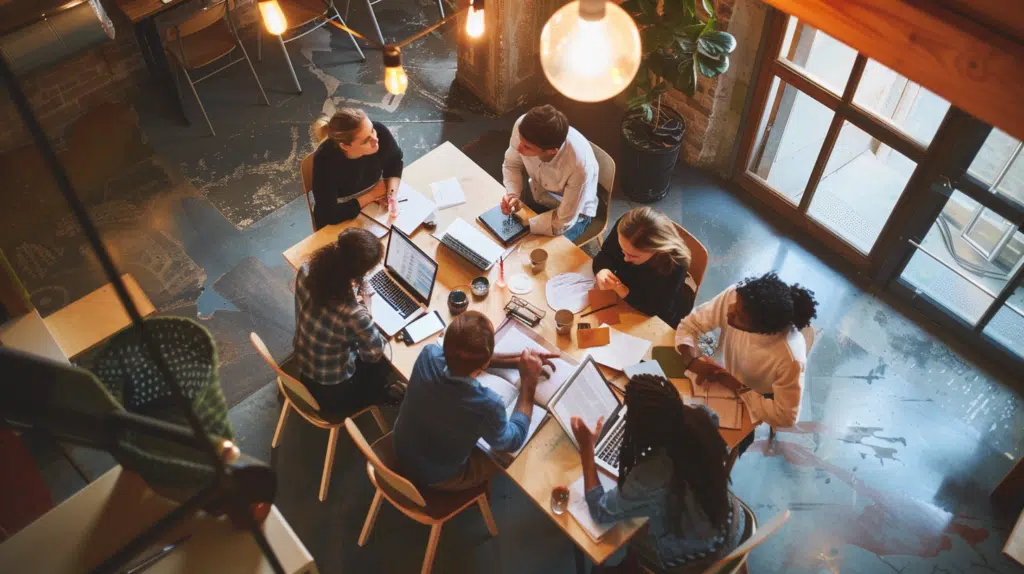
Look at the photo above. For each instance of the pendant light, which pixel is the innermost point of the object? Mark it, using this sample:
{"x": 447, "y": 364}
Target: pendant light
{"x": 273, "y": 17}
{"x": 395, "y": 80}
{"x": 590, "y": 50}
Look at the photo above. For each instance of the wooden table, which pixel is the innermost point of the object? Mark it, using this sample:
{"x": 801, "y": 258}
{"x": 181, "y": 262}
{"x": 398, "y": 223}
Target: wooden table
{"x": 550, "y": 459}
{"x": 80, "y": 533}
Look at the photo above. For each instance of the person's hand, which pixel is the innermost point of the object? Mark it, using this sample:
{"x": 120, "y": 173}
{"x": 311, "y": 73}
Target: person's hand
{"x": 727, "y": 379}
{"x": 606, "y": 280}
{"x": 584, "y": 436}
{"x": 705, "y": 367}
{"x": 530, "y": 367}
{"x": 545, "y": 360}
{"x": 510, "y": 204}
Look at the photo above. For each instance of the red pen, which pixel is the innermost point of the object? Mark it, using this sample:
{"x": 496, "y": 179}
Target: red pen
{"x": 501, "y": 272}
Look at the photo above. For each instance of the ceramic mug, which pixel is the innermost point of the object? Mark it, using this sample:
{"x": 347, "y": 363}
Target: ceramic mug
{"x": 457, "y": 301}
{"x": 563, "y": 321}
{"x": 538, "y": 259}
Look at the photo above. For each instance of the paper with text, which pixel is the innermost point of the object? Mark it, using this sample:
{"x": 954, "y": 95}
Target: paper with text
{"x": 581, "y": 511}
{"x": 587, "y": 397}
{"x": 413, "y": 209}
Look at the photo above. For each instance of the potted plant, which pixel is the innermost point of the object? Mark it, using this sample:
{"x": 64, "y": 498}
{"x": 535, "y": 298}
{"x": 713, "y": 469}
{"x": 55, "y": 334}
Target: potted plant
{"x": 678, "y": 45}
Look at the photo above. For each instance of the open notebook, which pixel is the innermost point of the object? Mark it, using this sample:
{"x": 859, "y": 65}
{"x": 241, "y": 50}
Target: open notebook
{"x": 721, "y": 399}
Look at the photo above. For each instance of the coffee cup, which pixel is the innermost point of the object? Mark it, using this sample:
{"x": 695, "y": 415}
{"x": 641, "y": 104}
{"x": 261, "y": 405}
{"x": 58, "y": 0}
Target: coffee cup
{"x": 563, "y": 321}
{"x": 538, "y": 259}
{"x": 458, "y": 301}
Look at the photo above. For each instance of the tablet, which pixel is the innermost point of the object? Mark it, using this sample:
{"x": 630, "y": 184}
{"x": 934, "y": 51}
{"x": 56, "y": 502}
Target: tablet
{"x": 423, "y": 327}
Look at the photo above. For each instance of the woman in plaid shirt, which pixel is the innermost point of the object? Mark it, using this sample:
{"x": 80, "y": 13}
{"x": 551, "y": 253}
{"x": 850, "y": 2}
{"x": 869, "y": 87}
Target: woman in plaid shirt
{"x": 337, "y": 347}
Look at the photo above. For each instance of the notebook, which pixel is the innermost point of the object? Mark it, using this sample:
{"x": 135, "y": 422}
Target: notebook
{"x": 447, "y": 193}
{"x": 581, "y": 511}
{"x": 506, "y": 228}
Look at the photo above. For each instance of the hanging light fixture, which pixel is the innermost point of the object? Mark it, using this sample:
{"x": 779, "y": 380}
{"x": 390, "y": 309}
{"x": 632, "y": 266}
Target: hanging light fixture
{"x": 590, "y": 50}
{"x": 395, "y": 79}
{"x": 273, "y": 17}
{"x": 475, "y": 19}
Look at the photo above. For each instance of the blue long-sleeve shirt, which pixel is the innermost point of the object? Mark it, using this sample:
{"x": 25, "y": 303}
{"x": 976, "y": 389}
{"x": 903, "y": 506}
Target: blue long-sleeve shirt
{"x": 441, "y": 418}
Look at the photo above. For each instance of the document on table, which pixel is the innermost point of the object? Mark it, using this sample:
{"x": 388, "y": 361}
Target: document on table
{"x": 537, "y": 417}
{"x": 644, "y": 368}
{"x": 623, "y": 350}
{"x": 413, "y": 209}
{"x": 581, "y": 511}
{"x": 447, "y": 193}
{"x": 515, "y": 341}
{"x": 721, "y": 399}
{"x": 588, "y": 397}
{"x": 568, "y": 291}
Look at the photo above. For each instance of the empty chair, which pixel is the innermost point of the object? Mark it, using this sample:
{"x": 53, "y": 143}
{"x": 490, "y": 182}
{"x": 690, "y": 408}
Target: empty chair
{"x": 297, "y": 397}
{"x": 605, "y": 181}
{"x": 203, "y": 39}
{"x": 429, "y": 507}
{"x": 299, "y": 14}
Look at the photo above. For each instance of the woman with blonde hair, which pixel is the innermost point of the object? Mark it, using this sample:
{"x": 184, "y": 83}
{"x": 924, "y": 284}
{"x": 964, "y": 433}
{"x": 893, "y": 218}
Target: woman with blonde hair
{"x": 356, "y": 163}
{"x": 645, "y": 261}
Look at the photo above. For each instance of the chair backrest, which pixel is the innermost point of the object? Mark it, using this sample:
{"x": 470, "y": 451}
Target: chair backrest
{"x": 380, "y": 470}
{"x": 734, "y": 560}
{"x": 698, "y": 254}
{"x": 201, "y": 20}
{"x": 306, "y": 173}
{"x": 605, "y": 170}
{"x": 284, "y": 379}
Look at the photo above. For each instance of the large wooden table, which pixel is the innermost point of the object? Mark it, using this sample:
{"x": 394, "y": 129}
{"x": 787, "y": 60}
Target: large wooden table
{"x": 550, "y": 459}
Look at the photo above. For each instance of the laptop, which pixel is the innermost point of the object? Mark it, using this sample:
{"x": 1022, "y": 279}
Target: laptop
{"x": 587, "y": 394}
{"x": 402, "y": 288}
{"x": 507, "y": 228}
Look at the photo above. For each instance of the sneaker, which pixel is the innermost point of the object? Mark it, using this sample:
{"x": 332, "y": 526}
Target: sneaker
{"x": 394, "y": 394}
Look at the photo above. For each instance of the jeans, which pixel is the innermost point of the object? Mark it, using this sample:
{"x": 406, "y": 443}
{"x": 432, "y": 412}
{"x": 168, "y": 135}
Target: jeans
{"x": 369, "y": 385}
{"x": 574, "y": 232}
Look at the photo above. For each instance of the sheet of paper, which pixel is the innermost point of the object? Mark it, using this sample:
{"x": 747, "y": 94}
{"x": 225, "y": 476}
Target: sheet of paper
{"x": 514, "y": 341}
{"x": 365, "y": 222}
{"x": 537, "y": 417}
{"x": 729, "y": 410}
{"x": 507, "y": 391}
{"x": 413, "y": 209}
{"x": 644, "y": 368}
{"x": 568, "y": 291}
{"x": 622, "y": 351}
{"x": 588, "y": 397}
{"x": 447, "y": 193}
{"x": 581, "y": 511}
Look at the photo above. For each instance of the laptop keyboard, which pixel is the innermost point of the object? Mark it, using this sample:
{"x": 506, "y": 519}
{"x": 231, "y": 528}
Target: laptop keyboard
{"x": 457, "y": 246}
{"x": 612, "y": 445}
{"x": 386, "y": 287}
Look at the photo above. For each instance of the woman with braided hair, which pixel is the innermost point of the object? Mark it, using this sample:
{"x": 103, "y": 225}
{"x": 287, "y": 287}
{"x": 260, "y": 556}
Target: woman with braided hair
{"x": 672, "y": 471}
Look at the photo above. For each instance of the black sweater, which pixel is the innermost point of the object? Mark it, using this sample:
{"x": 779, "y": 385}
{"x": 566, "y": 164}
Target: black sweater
{"x": 650, "y": 292}
{"x": 336, "y": 177}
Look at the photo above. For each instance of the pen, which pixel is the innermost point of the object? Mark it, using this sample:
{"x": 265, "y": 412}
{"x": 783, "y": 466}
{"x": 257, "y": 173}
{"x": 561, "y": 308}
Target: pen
{"x": 598, "y": 310}
{"x": 402, "y": 200}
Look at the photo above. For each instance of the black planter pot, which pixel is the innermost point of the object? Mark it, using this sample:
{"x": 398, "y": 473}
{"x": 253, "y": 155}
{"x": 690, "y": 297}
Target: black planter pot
{"x": 645, "y": 164}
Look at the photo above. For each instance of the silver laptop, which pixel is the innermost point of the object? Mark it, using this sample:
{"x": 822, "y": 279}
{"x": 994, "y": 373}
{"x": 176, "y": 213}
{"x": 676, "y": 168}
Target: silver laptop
{"x": 588, "y": 394}
{"x": 402, "y": 288}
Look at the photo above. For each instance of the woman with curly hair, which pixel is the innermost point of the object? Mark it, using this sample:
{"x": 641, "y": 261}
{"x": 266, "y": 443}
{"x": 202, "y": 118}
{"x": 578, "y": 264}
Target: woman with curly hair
{"x": 672, "y": 471}
{"x": 760, "y": 345}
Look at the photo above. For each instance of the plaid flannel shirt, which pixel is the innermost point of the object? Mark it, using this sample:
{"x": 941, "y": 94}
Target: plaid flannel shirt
{"x": 328, "y": 339}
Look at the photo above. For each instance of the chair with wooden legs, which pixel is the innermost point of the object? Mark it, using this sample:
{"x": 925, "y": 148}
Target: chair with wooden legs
{"x": 306, "y": 173}
{"x": 431, "y": 508}
{"x": 605, "y": 182}
{"x": 297, "y": 397}
{"x": 698, "y": 256}
{"x": 203, "y": 39}
{"x": 299, "y": 14}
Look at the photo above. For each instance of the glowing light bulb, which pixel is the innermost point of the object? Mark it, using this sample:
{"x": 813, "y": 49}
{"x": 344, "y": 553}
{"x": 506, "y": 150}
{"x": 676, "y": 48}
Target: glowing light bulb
{"x": 590, "y": 50}
{"x": 395, "y": 80}
{"x": 475, "y": 19}
{"x": 273, "y": 17}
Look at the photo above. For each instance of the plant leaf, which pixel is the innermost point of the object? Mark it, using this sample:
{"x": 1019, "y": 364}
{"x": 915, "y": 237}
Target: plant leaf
{"x": 648, "y": 112}
{"x": 711, "y": 67}
{"x": 686, "y": 45}
{"x": 637, "y": 101}
{"x": 691, "y": 31}
{"x": 709, "y": 8}
{"x": 686, "y": 82}
{"x": 716, "y": 43}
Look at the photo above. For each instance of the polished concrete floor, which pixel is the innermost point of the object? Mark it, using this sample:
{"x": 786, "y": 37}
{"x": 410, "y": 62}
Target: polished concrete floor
{"x": 901, "y": 437}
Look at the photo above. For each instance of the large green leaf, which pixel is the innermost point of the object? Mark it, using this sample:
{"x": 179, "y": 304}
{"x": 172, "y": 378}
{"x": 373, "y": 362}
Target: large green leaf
{"x": 648, "y": 112}
{"x": 691, "y": 31}
{"x": 711, "y": 67}
{"x": 686, "y": 45}
{"x": 686, "y": 81}
{"x": 715, "y": 44}
{"x": 709, "y": 8}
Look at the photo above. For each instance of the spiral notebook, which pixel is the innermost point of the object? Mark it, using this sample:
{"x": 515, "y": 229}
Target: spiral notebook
{"x": 506, "y": 228}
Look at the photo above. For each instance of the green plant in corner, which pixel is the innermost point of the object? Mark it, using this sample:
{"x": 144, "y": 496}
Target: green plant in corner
{"x": 678, "y": 45}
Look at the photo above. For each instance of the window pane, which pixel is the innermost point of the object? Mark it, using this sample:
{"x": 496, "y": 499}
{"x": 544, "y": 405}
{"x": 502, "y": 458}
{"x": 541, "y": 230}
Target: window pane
{"x": 910, "y": 107}
{"x": 861, "y": 183}
{"x": 1007, "y": 326}
{"x": 825, "y": 59}
{"x": 995, "y": 153}
{"x": 987, "y": 263}
{"x": 790, "y": 136}
{"x": 1012, "y": 184}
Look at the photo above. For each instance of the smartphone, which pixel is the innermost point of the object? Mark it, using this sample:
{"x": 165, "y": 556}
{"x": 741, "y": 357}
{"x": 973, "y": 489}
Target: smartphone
{"x": 422, "y": 328}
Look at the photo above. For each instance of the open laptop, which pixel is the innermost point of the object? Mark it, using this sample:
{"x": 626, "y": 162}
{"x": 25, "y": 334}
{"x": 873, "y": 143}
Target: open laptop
{"x": 588, "y": 395}
{"x": 402, "y": 288}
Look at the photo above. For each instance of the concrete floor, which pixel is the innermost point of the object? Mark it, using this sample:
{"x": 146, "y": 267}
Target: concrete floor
{"x": 900, "y": 437}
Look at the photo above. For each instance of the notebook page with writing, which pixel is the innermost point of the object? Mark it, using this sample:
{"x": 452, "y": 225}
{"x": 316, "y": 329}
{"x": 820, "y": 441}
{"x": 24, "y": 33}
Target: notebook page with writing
{"x": 581, "y": 511}
{"x": 513, "y": 340}
{"x": 587, "y": 397}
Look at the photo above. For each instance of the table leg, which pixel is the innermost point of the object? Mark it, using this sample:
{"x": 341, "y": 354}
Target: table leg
{"x": 580, "y": 559}
{"x": 159, "y": 67}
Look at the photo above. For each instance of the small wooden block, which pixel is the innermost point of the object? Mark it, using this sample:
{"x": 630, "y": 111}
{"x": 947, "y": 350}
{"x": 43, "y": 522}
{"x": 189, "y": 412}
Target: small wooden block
{"x": 609, "y": 316}
{"x": 600, "y": 298}
{"x": 586, "y": 338}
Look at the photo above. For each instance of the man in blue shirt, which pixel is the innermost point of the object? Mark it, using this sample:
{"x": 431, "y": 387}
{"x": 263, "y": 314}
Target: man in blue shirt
{"x": 446, "y": 410}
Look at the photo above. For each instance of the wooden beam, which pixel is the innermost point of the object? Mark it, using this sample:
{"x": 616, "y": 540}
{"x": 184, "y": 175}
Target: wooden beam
{"x": 955, "y": 57}
{"x": 1006, "y": 16}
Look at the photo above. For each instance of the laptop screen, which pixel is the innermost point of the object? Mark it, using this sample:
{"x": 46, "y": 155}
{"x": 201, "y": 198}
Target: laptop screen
{"x": 407, "y": 262}
{"x": 586, "y": 396}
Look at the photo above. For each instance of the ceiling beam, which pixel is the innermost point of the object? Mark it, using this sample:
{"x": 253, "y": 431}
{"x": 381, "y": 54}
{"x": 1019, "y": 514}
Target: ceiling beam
{"x": 969, "y": 65}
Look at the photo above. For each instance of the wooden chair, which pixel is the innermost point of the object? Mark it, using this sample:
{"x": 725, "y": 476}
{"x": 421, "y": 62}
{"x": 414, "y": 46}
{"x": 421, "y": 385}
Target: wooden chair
{"x": 698, "y": 255}
{"x": 605, "y": 181}
{"x": 432, "y": 508}
{"x": 202, "y": 39}
{"x": 299, "y": 14}
{"x": 297, "y": 397}
{"x": 306, "y": 172}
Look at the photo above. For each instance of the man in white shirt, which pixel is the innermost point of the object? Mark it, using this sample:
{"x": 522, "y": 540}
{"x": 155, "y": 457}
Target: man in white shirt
{"x": 562, "y": 172}
{"x": 760, "y": 345}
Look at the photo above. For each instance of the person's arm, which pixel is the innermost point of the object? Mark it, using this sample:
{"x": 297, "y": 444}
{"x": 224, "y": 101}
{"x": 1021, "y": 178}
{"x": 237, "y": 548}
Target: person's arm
{"x": 559, "y": 220}
{"x": 394, "y": 159}
{"x": 326, "y": 184}
{"x": 512, "y": 167}
{"x": 784, "y": 409}
{"x": 708, "y": 317}
{"x": 610, "y": 257}
{"x": 369, "y": 342}
{"x": 663, "y": 298}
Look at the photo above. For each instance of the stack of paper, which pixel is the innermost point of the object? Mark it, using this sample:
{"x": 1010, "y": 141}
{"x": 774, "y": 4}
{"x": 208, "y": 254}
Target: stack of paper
{"x": 413, "y": 210}
{"x": 623, "y": 350}
{"x": 515, "y": 341}
{"x": 581, "y": 512}
{"x": 721, "y": 399}
{"x": 447, "y": 193}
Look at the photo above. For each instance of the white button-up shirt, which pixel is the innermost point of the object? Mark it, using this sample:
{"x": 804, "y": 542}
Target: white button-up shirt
{"x": 567, "y": 184}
